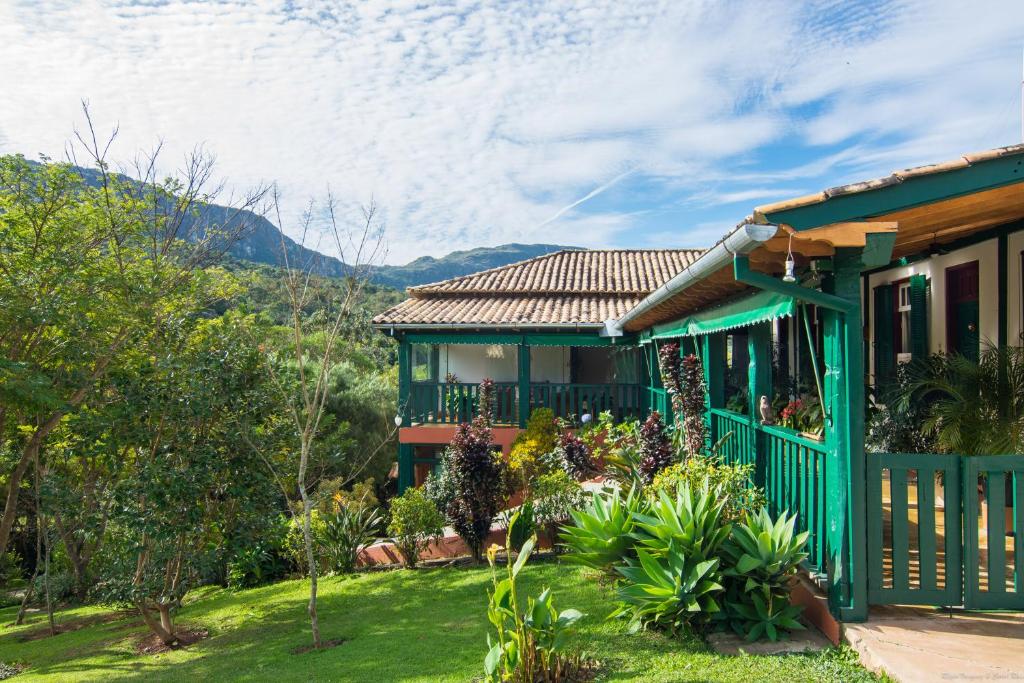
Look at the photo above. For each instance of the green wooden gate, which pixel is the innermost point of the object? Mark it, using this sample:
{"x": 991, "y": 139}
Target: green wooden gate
{"x": 914, "y": 549}
{"x": 993, "y": 505}
{"x": 939, "y": 527}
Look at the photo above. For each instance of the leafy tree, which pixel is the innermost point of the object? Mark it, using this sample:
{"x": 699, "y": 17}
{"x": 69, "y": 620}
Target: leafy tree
{"x": 92, "y": 264}
{"x": 187, "y": 487}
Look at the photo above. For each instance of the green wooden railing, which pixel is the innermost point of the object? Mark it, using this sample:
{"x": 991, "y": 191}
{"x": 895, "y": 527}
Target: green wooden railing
{"x": 456, "y": 402}
{"x": 739, "y": 447}
{"x": 658, "y": 399}
{"x": 789, "y": 467}
{"x": 794, "y": 481}
{"x": 572, "y": 400}
{"x": 946, "y": 529}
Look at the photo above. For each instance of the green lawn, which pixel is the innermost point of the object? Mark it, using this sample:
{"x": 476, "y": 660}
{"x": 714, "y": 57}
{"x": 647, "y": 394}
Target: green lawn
{"x": 426, "y": 625}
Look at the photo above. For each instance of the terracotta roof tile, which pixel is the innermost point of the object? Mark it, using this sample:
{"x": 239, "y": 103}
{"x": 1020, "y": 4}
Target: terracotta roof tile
{"x": 563, "y": 288}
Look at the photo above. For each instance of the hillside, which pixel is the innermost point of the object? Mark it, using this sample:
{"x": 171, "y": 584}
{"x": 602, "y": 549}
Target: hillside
{"x": 262, "y": 244}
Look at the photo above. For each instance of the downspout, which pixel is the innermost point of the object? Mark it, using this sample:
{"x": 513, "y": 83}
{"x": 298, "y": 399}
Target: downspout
{"x": 745, "y": 239}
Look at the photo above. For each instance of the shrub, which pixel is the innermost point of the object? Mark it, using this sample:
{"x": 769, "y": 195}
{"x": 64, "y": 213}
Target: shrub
{"x": 344, "y": 533}
{"x": 529, "y": 644}
{"x": 295, "y": 544}
{"x": 362, "y": 496}
{"x": 556, "y": 495}
{"x": 655, "y": 449}
{"x": 62, "y": 586}
{"x": 600, "y": 535}
{"x": 525, "y": 461}
{"x": 10, "y": 569}
{"x": 576, "y": 457}
{"x": 762, "y": 555}
{"x": 415, "y": 523}
{"x": 252, "y": 566}
{"x": 477, "y": 481}
{"x": 671, "y": 591}
{"x": 733, "y": 483}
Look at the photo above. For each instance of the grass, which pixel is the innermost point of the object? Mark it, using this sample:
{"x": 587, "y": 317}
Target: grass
{"x": 424, "y": 625}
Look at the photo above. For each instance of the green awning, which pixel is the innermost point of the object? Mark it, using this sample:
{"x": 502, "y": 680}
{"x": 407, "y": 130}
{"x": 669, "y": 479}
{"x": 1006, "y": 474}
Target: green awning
{"x": 758, "y": 308}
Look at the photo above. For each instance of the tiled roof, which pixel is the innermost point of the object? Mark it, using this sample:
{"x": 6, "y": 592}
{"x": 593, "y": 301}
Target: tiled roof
{"x": 563, "y": 288}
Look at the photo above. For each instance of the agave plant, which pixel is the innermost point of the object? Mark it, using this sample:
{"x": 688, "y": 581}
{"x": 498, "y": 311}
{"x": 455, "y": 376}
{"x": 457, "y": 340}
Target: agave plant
{"x": 693, "y": 521}
{"x": 671, "y": 591}
{"x": 761, "y": 557}
{"x": 346, "y": 532}
{"x": 600, "y": 535}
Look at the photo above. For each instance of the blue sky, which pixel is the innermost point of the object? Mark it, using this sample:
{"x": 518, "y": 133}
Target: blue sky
{"x": 619, "y": 123}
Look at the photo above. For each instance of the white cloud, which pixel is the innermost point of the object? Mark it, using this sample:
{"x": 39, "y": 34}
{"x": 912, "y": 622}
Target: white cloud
{"x": 474, "y": 123}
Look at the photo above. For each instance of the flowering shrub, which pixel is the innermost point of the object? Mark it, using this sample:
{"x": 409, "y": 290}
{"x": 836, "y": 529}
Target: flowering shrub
{"x": 526, "y": 462}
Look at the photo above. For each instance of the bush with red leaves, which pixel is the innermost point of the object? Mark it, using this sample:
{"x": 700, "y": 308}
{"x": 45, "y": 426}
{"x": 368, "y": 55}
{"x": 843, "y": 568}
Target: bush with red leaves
{"x": 655, "y": 448}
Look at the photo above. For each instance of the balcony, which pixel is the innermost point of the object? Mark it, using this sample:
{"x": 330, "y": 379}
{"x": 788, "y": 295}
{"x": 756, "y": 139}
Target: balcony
{"x": 457, "y": 402}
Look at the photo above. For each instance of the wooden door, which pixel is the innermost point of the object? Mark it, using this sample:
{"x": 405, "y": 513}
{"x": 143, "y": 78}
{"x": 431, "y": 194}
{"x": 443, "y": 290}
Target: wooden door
{"x": 962, "y": 335}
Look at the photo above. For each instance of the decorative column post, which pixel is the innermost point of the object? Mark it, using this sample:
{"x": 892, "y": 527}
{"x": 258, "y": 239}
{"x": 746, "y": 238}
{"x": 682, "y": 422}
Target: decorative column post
{"x": 405, "y": 407}
{"x": 759, "y": 374}
{"x": 712, "y": 360}
{"x": 524, "y": 383}
{"x": 845, "y": 502}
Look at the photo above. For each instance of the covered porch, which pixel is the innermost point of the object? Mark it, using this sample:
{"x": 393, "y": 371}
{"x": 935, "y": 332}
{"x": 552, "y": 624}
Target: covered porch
{"x": 885, "y": 528}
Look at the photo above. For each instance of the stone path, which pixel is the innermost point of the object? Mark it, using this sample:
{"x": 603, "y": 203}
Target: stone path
{"x": 913, "y": 644}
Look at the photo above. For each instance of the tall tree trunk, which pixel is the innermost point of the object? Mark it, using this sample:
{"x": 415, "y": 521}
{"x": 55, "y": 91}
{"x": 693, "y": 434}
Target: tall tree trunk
{"x": 31, "y": 589}
{"x": 166, "y": 635}
{"x": 28, "y": 455}
{"x": 46, "y": 580}
{"x": 307, "y": 533}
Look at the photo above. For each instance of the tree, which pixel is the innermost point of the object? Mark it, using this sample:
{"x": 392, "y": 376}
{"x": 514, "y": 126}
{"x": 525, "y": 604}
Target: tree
{"x": 187, "y": 484}
{"x": 92, "y": 262}
{"x": 315, "y": 349}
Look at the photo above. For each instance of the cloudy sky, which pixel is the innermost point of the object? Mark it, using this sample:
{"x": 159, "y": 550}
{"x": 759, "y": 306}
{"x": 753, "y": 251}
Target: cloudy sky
{"x": 617, "y": 123}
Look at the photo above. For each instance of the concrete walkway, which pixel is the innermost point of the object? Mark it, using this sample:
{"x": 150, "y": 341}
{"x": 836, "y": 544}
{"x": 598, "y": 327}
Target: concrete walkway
{"x": 914, "y": 644}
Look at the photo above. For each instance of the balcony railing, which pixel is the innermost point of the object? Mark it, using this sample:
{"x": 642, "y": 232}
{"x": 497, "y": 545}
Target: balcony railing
{"x": 456, "y": 402}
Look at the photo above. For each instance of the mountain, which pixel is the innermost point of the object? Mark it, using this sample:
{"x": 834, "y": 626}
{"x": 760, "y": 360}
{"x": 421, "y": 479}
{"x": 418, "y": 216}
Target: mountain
{"x": 261, "y": 243}
{"x": 429, "y": 269}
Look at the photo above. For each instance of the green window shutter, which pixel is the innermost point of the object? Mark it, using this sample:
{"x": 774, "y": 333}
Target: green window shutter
{"x": 885, "y": 357}
{"x": 919, "y": 316}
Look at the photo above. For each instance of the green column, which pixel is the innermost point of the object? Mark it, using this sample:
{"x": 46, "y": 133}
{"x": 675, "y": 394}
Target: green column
{"x": 524, "y": 384}
{"x": 712, "y": 360}
{"x": 845, "y": 538}
{"x": 759, "y": 347}
{"x": 759, "y": 339}
{"x": 405, "y": 467}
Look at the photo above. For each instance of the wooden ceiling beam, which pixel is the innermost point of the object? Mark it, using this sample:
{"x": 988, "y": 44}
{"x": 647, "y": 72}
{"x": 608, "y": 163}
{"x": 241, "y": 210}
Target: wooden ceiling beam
{"x": 843, "y": 234}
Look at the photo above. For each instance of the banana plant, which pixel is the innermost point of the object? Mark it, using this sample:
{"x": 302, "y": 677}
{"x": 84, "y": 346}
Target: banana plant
{"x": 529, "y": 644}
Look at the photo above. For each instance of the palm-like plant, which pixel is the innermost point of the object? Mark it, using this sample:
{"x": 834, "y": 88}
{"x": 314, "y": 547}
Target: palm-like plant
{"x": 600, "y": 534}
{"x": 973, "y": 407}
{"x": 761, "y": 557}
{"x": 692, "y": 520}
{"x": 671, "y": 591}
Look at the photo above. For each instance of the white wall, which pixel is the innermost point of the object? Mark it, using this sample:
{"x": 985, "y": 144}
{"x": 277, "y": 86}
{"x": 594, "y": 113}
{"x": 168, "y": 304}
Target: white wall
{"x": 986, "y": 254}
{"x": 549, "y": 364}
{"x": 470, "y": 363}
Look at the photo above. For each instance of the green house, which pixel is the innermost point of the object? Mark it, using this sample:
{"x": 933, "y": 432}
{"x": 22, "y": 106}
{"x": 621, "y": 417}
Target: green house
{"x": 540, "y": 330}
{"x": 819, "y": 297}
